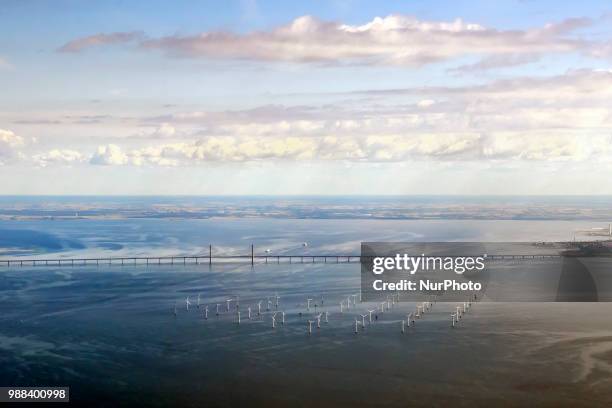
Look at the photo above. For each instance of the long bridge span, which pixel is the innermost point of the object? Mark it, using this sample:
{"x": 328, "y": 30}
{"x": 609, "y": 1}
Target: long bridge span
{"x": 210, "y": 258}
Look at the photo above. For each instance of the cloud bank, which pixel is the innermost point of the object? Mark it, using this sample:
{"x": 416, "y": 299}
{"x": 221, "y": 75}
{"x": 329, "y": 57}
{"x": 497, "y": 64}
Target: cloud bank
{"x": 393, "y": 40}
{"x": 368, "y": 149}
{"x": 550, "y": 119}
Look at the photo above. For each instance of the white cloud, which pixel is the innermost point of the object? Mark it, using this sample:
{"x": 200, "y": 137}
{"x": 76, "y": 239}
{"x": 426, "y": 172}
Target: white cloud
{"x": 10, "y": 139}
{"x": 109, "y": 155}
{"x": 9, "y": 143}
{"x": 58, "y": 156}
{"x": 165, "y": 130}
{"x": 507, "y": 146}
{"x": 425, "y": 103}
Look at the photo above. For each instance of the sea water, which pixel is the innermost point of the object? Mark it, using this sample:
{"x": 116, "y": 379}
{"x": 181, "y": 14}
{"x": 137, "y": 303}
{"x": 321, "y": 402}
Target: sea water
{"x": 111, "y": 334}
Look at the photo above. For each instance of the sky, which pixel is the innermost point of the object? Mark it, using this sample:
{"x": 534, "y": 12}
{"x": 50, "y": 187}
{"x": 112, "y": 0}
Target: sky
{"x": 319, "y": 97}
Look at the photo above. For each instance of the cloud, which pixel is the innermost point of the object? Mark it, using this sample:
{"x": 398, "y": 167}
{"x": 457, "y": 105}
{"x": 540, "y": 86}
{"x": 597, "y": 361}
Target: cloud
{"x": 58, "y": 156}
{"x": 109, "y": 155}
{"x": 548, "y": 119}
{"x": 426, "y": 103}
{"x": 507, "y": 146}
{"x": 101, "y": 39}
{"x": 563, "y": 118}
{"x": 393, "y": 40}
{"x": 9, "y": 143}
{"x": 10, "y": 139}
{"x": 575, "y": 102}
{"x": 165, "y": 130}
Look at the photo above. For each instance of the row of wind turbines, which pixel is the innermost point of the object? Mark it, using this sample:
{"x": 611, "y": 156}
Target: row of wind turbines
{"x": 462, "y": 309}
{"x": 316, "y": 314}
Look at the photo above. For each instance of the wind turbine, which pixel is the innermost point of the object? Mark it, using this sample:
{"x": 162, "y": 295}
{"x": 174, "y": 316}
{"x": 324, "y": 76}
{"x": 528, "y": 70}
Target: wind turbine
{"x": 228, "y": 304}
{"x": 187, "y": 303}
{"x": 363, "y": 316}
{"x": 309, "y": 327}
{"x": 370, "y": 312}
{"x": 308, "y": 304}
{"x": 206, "y": 312}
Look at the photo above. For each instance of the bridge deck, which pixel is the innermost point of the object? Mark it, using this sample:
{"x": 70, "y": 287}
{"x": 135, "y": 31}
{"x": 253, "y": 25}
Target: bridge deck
{"x": 207, "y": 259}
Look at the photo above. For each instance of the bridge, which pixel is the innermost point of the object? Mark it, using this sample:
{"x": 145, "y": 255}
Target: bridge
{"x": 211, "y": 258}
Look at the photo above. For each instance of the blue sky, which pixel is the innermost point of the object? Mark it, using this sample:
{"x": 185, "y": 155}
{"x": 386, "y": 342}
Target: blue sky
{"x": 337, "y": 97}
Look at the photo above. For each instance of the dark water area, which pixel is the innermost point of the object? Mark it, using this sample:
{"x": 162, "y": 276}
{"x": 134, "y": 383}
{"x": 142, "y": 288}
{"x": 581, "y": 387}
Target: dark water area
{"x": 20, "y": 239}
{"x": 111, "y": 334}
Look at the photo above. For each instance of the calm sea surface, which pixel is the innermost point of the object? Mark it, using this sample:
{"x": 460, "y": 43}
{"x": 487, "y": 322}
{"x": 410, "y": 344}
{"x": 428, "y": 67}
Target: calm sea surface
{"x": 110, "y": 332}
